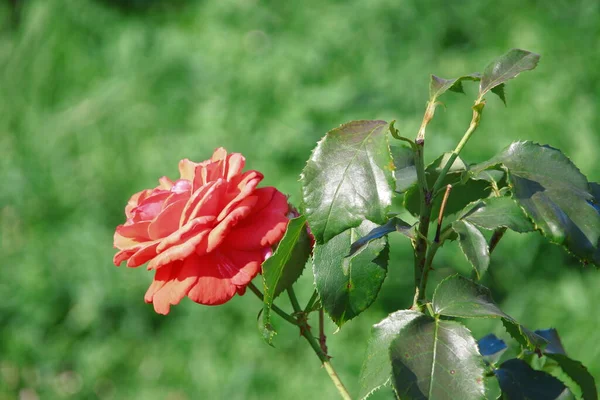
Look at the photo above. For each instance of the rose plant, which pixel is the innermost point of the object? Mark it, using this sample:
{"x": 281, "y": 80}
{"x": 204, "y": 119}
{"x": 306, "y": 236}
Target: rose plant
{"x": 209, "y": 233}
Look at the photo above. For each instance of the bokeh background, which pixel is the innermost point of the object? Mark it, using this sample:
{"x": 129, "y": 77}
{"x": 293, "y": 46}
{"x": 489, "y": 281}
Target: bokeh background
{"x": 98, "y": 99}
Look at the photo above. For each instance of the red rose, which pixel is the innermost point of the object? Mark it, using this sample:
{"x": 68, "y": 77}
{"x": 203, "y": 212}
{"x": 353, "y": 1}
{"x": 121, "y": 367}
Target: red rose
{"x": 206, "y": 234}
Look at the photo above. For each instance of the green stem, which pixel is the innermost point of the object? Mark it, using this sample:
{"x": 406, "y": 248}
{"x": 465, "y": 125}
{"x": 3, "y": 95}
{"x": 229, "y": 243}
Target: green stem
{"x": 311, "y": 302}
{"x": 477, "y": 110}
{"x": 278, "y": 310}
{"x": 305, "y": 331}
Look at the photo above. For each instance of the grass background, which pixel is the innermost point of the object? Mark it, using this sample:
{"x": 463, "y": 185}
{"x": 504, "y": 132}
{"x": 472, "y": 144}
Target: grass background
{"x": 100, "y": 98}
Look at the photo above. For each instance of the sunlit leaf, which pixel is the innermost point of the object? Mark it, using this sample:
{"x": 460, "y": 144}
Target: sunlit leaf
{"x": 438, "y": 86}
{"x": 555, "y": 195}
{"x": 348, "y": 179}
{"x": 473, "y": 245}
{"x": 405, "y": 171}
{"x": 436, "y": 359}
{"x": 457, "y": 296}
{"x": 497, "y": 212}
{"x": 284, "y": 267}
{"x": 348, "y": 285}
{"x": 377, "y": 368}
{"x": 504, "y": 68}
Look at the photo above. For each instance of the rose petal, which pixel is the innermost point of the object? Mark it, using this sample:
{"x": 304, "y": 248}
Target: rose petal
{"x": 123, "y": 243}
{"x": 185, "y": 247}
{"x": 186, "y": 169}
{"x": 177, "y": 286}
{"x": 165, "y": 183}
{"x": 134, "y": 201}
{"x": 206, "y": 201}
{"x": 143, "y": 255}
{"x": 167, "y": 221}
{"x": 150, "y": 207}
{"x": 188, "y": 230}
{"x": 136, "y": 231}
{"x": 266, "y": 226}
{"x": 219, "y": 232}
{"x": 219, "y": 154}
{"x": 181, "y": 186}
{"x": 246, "y": 186}
{"x": 161, "y": 277}
{"x": 235, "y": 164}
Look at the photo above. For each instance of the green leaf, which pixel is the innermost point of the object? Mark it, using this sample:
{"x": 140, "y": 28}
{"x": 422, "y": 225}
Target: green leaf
{"x": 497, "y": 212}
{"x": 554, "y": 194}
{"x": 439, "y": 86}
{"x": 577, "y": 373}
{"x": 505, "y": 68}
{"x": 348, "y": 179}
{"x": 436, "y": 359}
{"x": 463, "y": 191}
{"x": 499, "y": 91}
{"x": 393, "y": 225}
{"x": 405, "y": 171}
{"x": 519, "y": 381}
{"x": 473, "y": 245}
{"x": 377, "y": 369}
{"x": 348, "y": 285}
{"x": 571, "y": 372}
{"x": 284, "y": 267}
{"x": 457, "y": 296}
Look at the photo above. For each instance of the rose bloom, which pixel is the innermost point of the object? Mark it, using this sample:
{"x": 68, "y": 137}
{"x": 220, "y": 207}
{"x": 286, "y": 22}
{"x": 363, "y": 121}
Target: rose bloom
{"x": 206, "y": 234}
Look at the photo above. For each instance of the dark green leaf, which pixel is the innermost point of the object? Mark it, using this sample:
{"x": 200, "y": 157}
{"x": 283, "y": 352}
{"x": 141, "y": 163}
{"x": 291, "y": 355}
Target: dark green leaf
{"x": 571, "y": 372}
{"x": 497, "y": 212}
{"x": 439, "y": 86}
{"x": 577, "y": 373}
{"x": 348, "y": 179}
{"x": 457, "y": 296}
{"x": 499, "y": 91}
{"x": 462, "y": 194}
{"x": 393, "y": 225}
{"x": 519, "y": 381}
{"x": 491, "y": 348}
{"x": 377, "y": 369}
{"x": 436, "y": 359}
{"x": 474, "y": 246}
{"x": 405, "y": 171}
{"x": 505, "y": 68}
{"x": 348, "y": 285}
{"x": 284, "y": 267}
{"x": 555, "y": 195}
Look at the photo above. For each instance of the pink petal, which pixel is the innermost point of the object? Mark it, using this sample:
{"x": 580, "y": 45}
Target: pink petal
{"x": 235, "y": 164}
{"x": 206, "y": 201}
{"x": 143, "y": 255}
{"x": 220, "y": 232}
{"x": 246, "y": 186}
{"x": 177, "y": 286}
{"x": 264, "y": 227}
{"x": 165, "y": 183}
{"x": 167, "y": 221}
{"x": 186, "y": 169}
{"x": 136, "y": 231}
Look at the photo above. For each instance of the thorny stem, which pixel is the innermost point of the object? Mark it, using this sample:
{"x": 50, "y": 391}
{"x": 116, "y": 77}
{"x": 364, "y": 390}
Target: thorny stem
{"x": 322, "y": 337}
{"x": 305, "y": 331}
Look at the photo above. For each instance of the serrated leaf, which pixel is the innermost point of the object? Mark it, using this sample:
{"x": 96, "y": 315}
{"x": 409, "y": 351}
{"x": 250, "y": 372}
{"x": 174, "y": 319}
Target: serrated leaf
{"x": 519, "y": 381}
{"x": 555, "y": 195}
{"x": 579, "y": 380}
{"x": 491, "y": 348}
{"x": 284, "y": 267}
{"x": 436, "y": 359}
{"x": 348, "y": 179}
{"x": 405, "y": 171}
{"x": 473, "y": 245}
{"x": 376, "y": 370}
{"x": 348, "y": 285}
{"x": 578, "y": 374}
{"x": 457, "y": 296}
{"x": 463, "y": 192}
{"x": 504, "y": 68}
{"x": 439, "y": 86}
{"x": 393, "y": 225}
{"x": 498, "y": 212}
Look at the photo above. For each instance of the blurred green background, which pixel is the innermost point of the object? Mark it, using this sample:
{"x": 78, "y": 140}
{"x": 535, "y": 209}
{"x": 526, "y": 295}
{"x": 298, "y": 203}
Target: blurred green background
{"x": 98, "y": 99}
